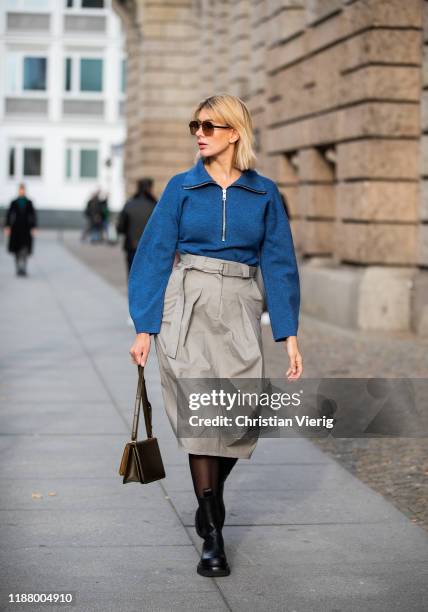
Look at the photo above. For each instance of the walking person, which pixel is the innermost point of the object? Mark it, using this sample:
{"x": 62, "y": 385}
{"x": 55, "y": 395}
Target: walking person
{"x": 20, "y": 226}
{"x": 134, "y": 216}
{"x": 95, "y": 210}
{"x": 224, "y": 219}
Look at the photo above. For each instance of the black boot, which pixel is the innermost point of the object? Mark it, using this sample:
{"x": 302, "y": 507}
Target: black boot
{"x": 200, "y": 526}
{"x": 213, "y": 559}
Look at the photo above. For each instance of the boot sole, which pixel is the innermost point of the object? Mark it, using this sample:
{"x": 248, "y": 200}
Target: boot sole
{"x": 213, "y": 572}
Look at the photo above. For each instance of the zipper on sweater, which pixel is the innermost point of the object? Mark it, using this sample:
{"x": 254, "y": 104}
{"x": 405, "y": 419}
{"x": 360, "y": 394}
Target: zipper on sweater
{"x": 223, "y": 232}
{"x": 223, "y": 235}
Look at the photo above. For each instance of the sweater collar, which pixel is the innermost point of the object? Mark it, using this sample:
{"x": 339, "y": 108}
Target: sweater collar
{"x": 198, "y": 176}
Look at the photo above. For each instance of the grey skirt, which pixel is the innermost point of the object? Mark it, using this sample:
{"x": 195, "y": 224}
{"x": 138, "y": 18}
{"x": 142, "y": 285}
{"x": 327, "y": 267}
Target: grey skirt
{"x": 210, "y": 329}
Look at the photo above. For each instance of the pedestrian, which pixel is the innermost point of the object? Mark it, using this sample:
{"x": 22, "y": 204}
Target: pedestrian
{"x": 20, "y": 226}
{"x": 134, "y": 216}
{"x": 95, "y": 211}
{"x": 224, "y": 219}
{"x": 105, "y": 214}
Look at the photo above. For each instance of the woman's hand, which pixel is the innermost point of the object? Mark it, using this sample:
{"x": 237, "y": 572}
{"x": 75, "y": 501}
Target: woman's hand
{"x": 139, "y": 351}
{"x": 6, "y": 230}
{"x": 296, "y": 365}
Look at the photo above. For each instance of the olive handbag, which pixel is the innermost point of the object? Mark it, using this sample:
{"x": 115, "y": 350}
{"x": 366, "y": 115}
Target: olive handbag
{"x": 142, "y": 461}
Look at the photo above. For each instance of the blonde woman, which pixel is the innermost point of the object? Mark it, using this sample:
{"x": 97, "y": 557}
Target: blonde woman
{"x": 224, "y": 219}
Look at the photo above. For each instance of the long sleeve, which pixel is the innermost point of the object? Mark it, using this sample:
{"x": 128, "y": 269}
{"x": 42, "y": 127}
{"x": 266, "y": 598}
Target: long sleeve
{"x": 279, "y": 270}
{"x": 153, "y": 261}
{"x": 32, "y": 216}
{"x": 9, "y": 216}
{"x": 122, "y": 222}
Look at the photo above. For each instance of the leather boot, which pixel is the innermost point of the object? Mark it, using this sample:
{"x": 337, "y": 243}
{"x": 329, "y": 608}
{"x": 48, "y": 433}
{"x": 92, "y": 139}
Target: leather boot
{"x": 200, "y": 527}
{"x": 213, "y": 560}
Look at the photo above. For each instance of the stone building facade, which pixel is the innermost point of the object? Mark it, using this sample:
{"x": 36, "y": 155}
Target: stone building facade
{"x": 338, "y": 91}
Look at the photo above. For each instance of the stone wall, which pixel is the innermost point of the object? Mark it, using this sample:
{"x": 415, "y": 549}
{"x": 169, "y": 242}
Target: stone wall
{"x": 162, "y": 86}
{"x": 340, "y": 109}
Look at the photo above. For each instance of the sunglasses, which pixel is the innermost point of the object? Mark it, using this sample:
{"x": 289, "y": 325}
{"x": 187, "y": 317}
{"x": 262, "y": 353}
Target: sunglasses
{"x": 207, "y": 127}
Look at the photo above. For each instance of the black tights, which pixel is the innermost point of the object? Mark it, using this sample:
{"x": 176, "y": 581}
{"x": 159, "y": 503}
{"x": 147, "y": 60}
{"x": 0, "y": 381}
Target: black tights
{"x": 208, "y": 470}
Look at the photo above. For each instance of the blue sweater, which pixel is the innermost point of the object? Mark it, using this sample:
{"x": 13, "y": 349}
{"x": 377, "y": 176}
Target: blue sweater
{"x": 245, "y": 222}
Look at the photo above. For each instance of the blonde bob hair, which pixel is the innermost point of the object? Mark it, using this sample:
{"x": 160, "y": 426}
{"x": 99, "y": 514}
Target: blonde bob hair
{"x": 232, "y": 111}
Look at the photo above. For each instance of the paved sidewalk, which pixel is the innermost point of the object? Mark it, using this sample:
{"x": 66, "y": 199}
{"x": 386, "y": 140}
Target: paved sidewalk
{"x": 302, "y": 534}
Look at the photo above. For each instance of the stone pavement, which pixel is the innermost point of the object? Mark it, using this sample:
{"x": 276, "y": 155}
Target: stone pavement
{"x": 302, "y": 534}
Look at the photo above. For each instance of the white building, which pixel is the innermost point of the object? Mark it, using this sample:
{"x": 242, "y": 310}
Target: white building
{"x": 62, "y": 91}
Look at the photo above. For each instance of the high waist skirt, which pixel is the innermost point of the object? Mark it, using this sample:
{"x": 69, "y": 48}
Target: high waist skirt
{"x": 210, "y": 329}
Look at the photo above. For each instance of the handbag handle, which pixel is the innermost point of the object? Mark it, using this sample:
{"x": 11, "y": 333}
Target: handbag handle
{"x": 141, "y": 397}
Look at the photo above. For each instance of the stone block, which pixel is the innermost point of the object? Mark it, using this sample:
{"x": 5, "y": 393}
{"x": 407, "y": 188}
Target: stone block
{"x": 371, "y": 119}
{"x": 423, "y": 204}
{"x": 284, "y": 55}
{"x": 419, "y": 303}
{"x": 365, "y": 14}
{"x": 382, "y": 82}
{"x": 168, "y": 30}
{"x": 423, "y": 245}
{"x": 313, "y": 166}
{"x": 378, "y": 201}
{"x": 395, "y": 159}
{"x": 259, "y": 13}
{"x": 283, "y": 25}
{"x": 388, "y": 46}
{"x": 425, "y": 66}
{"x": 320, "y": 282}
{"x": 424, "y": 155}
{"x": 240, "y": 48}
{"x": 317, "y": 10}
{"x": 281, "y": 170}
{"x": 257, "y": 59}
{"x": 173, "y": 97}
{"x": 378, "y": 243}
{"x": 385, "y": 298}
{"x": 391, "y": 13}
{"x": 160, "y": 13}
{"x": 317, "y": 200}
{"x": 319, "y": 237}
{"x": 425, "y": 21}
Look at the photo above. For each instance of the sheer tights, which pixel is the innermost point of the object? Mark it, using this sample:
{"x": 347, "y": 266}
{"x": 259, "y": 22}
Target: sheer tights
{"x": 208, "y": 470}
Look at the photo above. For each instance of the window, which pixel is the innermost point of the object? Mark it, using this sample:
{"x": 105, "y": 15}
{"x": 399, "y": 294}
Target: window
{"x": 28, "y": 5}
{"x": 84, "y": 4}
{"x": 12, "y": 154}
{"x": 32, "y": 162}
{"x": 91, "y": 75}
{"x": 81, "y": 161}
{"x": 25, "y": 73}
{"x": 83, "y": 74}
{"x": 88, "y": 163}
{"x": 34, "y": 73}
{"x": 25, "y": 160}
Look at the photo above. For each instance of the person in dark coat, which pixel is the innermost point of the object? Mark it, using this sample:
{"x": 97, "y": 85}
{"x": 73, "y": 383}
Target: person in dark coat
{"x": 134, "y": 216}
{"x": 95, "y": 213}
{"x": 20, "y": 224}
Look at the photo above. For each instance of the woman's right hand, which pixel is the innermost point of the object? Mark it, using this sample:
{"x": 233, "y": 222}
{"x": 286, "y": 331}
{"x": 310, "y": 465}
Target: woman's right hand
{"x": 139, "y": 351}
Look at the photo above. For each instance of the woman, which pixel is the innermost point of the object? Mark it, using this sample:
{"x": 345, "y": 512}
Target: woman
{"x": 20, "y": 224}
{"x": 224, "y": 219}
